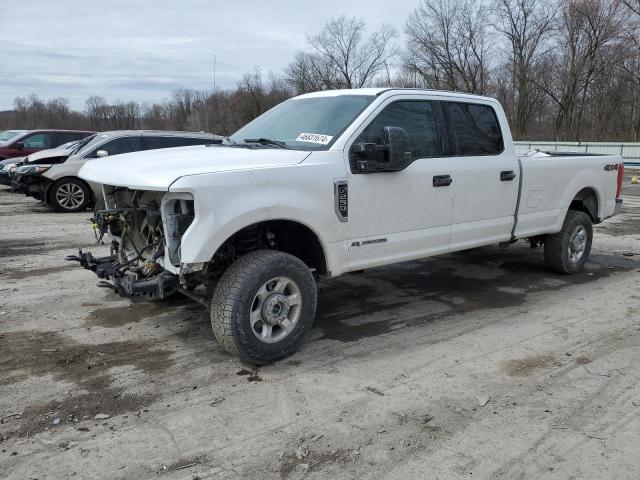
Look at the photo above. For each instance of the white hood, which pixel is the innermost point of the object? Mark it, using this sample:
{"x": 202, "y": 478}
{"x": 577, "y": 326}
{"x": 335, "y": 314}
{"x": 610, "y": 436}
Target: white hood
{"x": 158, "y": 169}
{"x": 50, "y": 153}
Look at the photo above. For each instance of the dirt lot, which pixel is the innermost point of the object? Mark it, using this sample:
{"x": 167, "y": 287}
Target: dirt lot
{"x": 478, "y": 365}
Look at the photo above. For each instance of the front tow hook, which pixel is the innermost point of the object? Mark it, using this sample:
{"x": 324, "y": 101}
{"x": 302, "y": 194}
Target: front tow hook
{"x": 105, "y": 284}
{"x": 74, "y": 258}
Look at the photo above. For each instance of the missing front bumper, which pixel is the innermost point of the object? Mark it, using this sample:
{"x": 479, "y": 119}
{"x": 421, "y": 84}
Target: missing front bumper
{"x": 160, "y": 286}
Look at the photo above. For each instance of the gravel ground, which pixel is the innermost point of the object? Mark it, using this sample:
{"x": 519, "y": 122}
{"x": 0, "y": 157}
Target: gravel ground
{"x": 478, "y": 364}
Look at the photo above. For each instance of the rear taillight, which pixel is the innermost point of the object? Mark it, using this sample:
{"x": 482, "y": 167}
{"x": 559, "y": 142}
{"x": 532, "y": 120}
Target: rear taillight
{"x": 620, "y": 179}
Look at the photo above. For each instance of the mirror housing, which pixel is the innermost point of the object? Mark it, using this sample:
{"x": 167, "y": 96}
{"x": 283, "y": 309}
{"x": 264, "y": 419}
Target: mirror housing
{"x": 393, "y": 155}
{"x": 102, "y": 154}
{"x": 20, "y": 145}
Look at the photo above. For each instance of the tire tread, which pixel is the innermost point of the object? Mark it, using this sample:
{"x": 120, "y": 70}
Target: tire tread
{"x": 555, "y": 255}
{"x": 231, "y": 291}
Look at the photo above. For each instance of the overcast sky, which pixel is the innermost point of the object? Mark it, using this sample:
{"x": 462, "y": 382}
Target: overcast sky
{"x": 142, "y": 50}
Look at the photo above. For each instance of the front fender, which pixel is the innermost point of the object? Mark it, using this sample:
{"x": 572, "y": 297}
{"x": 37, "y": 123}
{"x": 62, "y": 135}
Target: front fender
{"x": 226, "y": 202}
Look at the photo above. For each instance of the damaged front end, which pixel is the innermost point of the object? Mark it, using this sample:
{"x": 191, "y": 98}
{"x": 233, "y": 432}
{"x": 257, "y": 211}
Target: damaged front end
{"x": 146, "y": 229}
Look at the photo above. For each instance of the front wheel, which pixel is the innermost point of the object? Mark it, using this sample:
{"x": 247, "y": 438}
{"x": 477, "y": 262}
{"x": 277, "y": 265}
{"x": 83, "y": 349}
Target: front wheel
{"x": 568, "y": 250}
{"x": 263, "y": 305}
{"x": 69, "y": 195}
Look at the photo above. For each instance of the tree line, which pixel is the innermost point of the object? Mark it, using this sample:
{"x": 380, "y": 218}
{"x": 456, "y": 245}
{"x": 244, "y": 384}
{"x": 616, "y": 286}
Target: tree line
{"x": 563, "y": 70}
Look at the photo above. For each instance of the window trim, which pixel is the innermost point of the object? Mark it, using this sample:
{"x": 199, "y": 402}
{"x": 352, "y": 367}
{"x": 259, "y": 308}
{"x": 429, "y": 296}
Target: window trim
{"x": 453, "y": 139}
{"x": 183, "y": 138}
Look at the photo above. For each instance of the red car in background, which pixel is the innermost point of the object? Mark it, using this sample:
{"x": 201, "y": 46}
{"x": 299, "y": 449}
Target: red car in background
{"x": 21, "y": 143}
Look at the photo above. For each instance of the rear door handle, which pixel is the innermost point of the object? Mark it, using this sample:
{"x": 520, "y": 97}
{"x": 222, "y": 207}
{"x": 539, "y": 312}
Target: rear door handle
{"x": 507, "y": 176}
{"x": 442, "y": 180}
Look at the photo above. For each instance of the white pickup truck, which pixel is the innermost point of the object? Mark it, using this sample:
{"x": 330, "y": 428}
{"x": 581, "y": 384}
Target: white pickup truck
{"x": 329, "y": 183}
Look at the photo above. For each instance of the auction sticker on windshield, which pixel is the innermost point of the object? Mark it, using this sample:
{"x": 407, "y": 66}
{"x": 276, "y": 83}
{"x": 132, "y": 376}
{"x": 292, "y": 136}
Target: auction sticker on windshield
{"x": 314, "y": 138}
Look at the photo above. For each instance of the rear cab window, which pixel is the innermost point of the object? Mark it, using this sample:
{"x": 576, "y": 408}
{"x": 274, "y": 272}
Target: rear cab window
{"x": 475, "y": 129}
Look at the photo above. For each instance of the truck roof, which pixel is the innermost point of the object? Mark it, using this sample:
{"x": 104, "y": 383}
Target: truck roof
{"x": 379, "y": 91}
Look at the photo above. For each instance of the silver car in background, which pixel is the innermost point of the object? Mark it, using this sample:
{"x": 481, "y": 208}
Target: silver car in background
{"x": 58, "y": 184}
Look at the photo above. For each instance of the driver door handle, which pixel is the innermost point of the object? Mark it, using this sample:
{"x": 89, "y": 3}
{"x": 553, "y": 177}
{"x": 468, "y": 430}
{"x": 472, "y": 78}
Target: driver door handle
{"x": 507, "y": 175}
{"x": 442, "y": 180}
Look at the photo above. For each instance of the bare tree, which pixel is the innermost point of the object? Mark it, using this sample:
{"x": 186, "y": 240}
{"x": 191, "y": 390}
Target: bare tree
{"x": 341, "y": 57}
{"x": 587, "y": 47}
{"x": 448, "y": 44}
{"x": 181, "y": 107}
{"x": 526, "y": 25}
{"x": 310, "y": 72}
{"x": 631, "y": 64}
{"x": 633, "y": 5}
{"x": 567, "y": 70}
{"x": 97, "y": 112}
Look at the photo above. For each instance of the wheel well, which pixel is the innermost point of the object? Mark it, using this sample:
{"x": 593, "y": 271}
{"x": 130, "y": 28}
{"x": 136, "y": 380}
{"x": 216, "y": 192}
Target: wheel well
{"x": 586, "y": 201}
{"x": 284, "y": 235}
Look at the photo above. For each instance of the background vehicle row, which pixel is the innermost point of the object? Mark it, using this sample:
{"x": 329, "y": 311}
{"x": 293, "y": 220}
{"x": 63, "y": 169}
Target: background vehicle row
{"x": 20, "y": 143}
{"x": 55, "y": 180}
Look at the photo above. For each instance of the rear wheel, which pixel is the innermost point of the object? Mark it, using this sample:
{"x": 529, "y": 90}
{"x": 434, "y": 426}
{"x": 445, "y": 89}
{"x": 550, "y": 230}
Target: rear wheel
{"x": 69, "y": 195}
{"x": 263, "y": 305}
{"x": 568, "y": 250}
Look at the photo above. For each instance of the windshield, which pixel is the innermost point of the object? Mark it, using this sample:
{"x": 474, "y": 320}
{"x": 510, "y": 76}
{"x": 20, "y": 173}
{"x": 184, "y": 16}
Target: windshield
{"x": 68, "y": 145}
{"x": 304, "y": 123}
{"x": 80, "y": 144}
{"x": 9, "y": 134}
{"x": 86, "y": 144}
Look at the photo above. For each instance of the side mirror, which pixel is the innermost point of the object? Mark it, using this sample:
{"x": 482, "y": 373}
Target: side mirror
{"x": 397, "y": 140}
{"x": 20, "y": 145}
{"x": 102, "y": 153}
{"x": 392, "y": 155}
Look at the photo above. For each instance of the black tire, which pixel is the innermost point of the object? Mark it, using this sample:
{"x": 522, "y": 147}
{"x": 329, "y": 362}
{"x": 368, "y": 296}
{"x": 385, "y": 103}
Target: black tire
{"x": 560, "y": 250}
{"x": 69, "y": 195}
{"x": 235, "y": 296}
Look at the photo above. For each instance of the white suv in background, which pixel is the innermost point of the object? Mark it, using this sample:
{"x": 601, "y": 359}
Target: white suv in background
{"x": 59, "y": 186}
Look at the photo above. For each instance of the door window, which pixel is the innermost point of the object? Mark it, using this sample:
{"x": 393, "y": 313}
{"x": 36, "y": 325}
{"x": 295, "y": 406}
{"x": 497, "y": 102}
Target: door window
{"x": 420, "y": 119}
{"x": 118, "y": 146}
{"x": 476, "y": 129}
{"x": 37, "y": 140}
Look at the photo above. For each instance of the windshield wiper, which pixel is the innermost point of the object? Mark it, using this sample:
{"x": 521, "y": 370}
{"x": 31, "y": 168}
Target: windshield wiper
{"x": 265, "y": 141}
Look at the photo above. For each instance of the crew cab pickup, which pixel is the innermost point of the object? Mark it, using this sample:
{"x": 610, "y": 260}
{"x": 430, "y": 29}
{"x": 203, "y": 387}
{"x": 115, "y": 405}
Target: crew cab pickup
{"x": 329, "y": 183}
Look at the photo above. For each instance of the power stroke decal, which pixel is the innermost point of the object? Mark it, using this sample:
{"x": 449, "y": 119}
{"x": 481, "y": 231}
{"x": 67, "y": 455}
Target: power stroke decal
{"x": 341, "y": 199}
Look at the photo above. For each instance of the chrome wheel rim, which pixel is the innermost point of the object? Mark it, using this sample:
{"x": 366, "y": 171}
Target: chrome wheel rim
{"x": 69, "y": 196}
{"x": 577, "y": 244}
{"x": 275, "y": 309}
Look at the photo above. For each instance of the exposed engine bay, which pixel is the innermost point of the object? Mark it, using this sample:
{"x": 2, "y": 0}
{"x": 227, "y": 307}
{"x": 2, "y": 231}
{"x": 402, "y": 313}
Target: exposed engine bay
{"x": 145, "y": 230}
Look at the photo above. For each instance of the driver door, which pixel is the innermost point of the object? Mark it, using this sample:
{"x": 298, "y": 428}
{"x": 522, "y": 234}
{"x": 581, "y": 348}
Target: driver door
{"x": 401, "y": 215}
